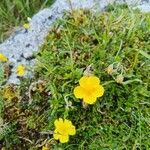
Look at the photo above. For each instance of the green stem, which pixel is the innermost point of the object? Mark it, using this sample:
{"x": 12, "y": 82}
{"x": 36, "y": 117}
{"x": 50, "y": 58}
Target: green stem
{"x": 108, "y": 82}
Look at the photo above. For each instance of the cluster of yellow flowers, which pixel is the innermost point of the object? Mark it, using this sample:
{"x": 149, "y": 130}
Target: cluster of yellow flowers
{"x": 20, "y": 68}
{"x": 89, "y": 90}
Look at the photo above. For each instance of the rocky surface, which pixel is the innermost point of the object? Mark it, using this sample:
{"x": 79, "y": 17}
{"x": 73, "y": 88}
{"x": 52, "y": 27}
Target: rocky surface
{"x": 21, "y": 45}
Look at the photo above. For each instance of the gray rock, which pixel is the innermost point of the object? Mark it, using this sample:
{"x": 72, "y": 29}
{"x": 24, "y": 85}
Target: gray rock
{"x": 144, "y": 8}
{"x": 21, "y": 45}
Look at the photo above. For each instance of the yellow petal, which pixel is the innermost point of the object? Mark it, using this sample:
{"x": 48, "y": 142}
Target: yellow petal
{"x": 90, "y": 99}
{"x": 89, "y": 82}
{"x": 70, "y": 127}
{"x": 72, "y": 130}
{"x": 64, "y": 138}
{"x": 67, "y": 122}
{"x": 92, "y": 80}
{"x": 99, "y": 91}
{"x": 45, "y": 148}
{"x": 83, "y": 81}
{"x": 58, "y": 122}
{"x": 78, "y": 92}
{"x": 56, "y": 136}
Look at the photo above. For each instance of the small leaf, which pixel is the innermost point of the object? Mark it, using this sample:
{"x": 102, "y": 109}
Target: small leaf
{"x": 144, "y": 53}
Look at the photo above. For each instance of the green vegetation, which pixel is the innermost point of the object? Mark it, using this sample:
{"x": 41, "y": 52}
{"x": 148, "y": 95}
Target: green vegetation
{"x": 83, "y": 41}
{"x": 15, "y": 12}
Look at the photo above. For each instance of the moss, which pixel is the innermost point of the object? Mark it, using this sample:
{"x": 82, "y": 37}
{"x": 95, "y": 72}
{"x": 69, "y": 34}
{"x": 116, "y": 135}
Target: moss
{"x": 81, "y": 40}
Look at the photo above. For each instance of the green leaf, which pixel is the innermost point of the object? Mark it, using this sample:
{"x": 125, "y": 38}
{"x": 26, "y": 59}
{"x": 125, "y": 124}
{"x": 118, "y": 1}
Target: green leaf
{"x": 144, "y": 53}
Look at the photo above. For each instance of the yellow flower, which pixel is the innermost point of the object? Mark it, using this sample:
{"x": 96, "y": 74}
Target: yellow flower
{"x": 3, "y": 58}
{"x": 26, "y": 26}
{"x": 20, "y": 70}
{"x": 45, "y": 148}
{"x": 89, "y": 89}
{"x": 63, "y": 128}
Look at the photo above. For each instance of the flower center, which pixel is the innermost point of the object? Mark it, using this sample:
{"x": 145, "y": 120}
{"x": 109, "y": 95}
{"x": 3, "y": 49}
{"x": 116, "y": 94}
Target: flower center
{"x": 89, "y": 90}
{"x": 63, "y": 130}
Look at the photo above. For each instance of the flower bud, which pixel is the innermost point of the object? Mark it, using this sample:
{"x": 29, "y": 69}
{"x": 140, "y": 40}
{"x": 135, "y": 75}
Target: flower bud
{"x": 110, "y": 69}
{"x": 120, "y": 79}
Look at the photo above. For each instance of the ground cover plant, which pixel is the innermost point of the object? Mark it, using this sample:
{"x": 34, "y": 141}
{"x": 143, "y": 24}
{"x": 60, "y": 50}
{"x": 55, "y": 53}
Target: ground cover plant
{"x": 13, "y": 13}
{"x": 112, "y": 49}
